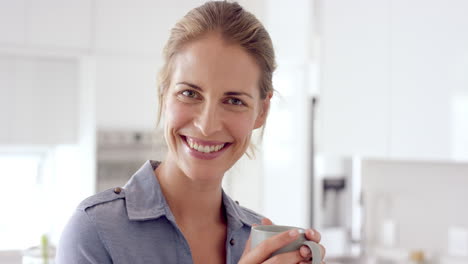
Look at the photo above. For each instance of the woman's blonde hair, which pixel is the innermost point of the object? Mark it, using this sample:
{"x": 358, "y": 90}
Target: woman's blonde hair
{"x": 235, "y": 25}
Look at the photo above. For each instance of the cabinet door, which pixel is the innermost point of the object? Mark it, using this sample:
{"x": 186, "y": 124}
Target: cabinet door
{"x": 140, "y": 27}
{"x": 59, "y": 23}
{"x": 429, "y": 50}
{"x": 126, "y": 95}
{"x": 38, "y": 102}
{"x": 354, "y": 109}
{"x": 12, "y": 22}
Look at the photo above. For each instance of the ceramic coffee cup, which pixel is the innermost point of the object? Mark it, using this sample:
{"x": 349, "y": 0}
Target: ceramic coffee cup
{"x": 263, "y": 232}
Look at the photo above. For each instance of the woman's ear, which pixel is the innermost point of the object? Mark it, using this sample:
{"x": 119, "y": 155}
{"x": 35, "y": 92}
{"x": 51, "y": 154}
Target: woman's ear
{"x": 265, "y": 107}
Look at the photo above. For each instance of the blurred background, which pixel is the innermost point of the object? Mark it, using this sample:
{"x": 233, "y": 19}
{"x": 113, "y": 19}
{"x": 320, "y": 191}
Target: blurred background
{"x": 367, "y": 138}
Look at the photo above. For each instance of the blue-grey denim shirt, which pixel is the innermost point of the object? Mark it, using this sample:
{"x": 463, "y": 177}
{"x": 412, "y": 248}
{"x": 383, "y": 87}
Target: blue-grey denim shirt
{"x": 135, "y": 225}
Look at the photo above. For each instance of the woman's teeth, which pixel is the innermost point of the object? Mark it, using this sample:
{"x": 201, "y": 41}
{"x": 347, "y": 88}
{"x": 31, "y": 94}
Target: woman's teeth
{"x": 205, "y": 149}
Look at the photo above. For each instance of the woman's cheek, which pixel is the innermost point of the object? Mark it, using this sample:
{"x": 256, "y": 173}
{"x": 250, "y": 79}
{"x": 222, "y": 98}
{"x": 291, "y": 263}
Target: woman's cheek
{"x": 241, "y": 127}
{"x": 178, "y": 114}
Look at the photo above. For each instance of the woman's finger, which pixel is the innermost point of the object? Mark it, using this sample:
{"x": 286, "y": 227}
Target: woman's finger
{"x": 266, "y": 221}
{"x": 314, "y": 235}
{"x": 305, "y": 252}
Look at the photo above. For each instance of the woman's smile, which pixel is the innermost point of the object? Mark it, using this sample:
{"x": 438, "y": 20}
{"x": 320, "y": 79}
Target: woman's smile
{"x": 203, "y": 149}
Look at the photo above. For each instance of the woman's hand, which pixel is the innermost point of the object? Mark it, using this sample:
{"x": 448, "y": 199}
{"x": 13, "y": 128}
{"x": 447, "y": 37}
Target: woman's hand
{"x": 262, "y": 252}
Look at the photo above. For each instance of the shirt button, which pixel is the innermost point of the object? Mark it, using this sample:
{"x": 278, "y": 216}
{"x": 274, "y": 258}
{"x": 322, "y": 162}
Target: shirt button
{"x": 117, "y": 190}
{"x": 232, "y": 242}
{"x": 237, "y": 202}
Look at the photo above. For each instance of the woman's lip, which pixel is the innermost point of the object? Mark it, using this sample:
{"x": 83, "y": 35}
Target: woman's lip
{"x": 204, "y": 142}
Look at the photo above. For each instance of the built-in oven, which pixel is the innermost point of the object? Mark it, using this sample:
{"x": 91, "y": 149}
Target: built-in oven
{"x": 121, "y": 153}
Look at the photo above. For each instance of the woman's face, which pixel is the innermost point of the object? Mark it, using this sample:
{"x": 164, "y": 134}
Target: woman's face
{"x": 212, "y": 106}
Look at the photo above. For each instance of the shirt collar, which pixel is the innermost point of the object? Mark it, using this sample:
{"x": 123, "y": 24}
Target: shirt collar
{"x": 143, "y": 195}
{"x": 145, "y": 200}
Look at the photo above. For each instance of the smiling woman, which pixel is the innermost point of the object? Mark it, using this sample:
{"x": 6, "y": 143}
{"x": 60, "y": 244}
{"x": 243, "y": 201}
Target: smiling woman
{"x": 215, "y": 89}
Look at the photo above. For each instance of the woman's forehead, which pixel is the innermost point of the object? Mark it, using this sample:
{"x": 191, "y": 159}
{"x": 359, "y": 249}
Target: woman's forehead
{"x": 210, "y": 61}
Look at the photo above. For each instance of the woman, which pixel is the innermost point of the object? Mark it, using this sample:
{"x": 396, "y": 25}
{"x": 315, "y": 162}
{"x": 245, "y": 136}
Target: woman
{"x": 215, "y": 89}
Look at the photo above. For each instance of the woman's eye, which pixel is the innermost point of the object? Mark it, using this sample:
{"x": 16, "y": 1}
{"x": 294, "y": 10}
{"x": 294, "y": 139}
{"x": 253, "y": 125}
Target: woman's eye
{"x": 235, "y": 101}
{"x": 190, "y": 94}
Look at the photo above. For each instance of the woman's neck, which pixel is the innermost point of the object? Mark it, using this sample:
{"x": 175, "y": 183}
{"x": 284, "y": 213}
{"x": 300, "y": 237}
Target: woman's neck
{"x": 193, "y": 202}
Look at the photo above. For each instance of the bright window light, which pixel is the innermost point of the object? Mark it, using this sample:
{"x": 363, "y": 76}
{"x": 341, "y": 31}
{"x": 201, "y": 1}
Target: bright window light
{"x": 20, "y": 202}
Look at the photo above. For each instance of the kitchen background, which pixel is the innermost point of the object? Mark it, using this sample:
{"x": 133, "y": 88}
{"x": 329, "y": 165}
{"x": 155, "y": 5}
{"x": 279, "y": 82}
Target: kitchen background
{"x": 367, "y": 139}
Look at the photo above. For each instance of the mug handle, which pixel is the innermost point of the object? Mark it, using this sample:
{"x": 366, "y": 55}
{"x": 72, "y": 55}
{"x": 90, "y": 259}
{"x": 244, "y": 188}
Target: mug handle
{"x": 315, "y": 249}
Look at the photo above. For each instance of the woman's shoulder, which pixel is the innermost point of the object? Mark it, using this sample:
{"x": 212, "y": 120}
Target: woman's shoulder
{"x": 87, "y": 232}
{"x": 101, "y": 210}
{"x": 105, "y": 197}
{"x": 82, "y": 237}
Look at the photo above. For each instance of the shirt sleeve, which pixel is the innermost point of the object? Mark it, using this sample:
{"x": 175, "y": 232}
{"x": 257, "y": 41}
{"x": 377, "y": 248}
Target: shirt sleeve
{"x": 80, "y": 242}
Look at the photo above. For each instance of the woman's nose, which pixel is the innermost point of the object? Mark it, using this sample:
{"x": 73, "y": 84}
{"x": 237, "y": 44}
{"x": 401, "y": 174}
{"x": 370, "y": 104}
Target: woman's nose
{"x": 208, "y": 120}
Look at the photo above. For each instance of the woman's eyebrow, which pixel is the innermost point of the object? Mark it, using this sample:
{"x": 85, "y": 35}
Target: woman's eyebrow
{"x": 237, "y": 94}
{"x": 196, "y": 87}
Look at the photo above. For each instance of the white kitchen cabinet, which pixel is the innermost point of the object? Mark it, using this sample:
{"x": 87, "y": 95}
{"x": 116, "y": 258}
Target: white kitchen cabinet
{"x": 140, "y": 27}
{"x": 50, "y": 24}
{"x": 126, "y": 93}
{"x": 392, "y": 72}
{"x": 428, "y": 44}
{"x": 38, "y": 101}
{"x": 60, "y": 23}
{"x": 12, "y": 22}
{"x": 354, "y": 110}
